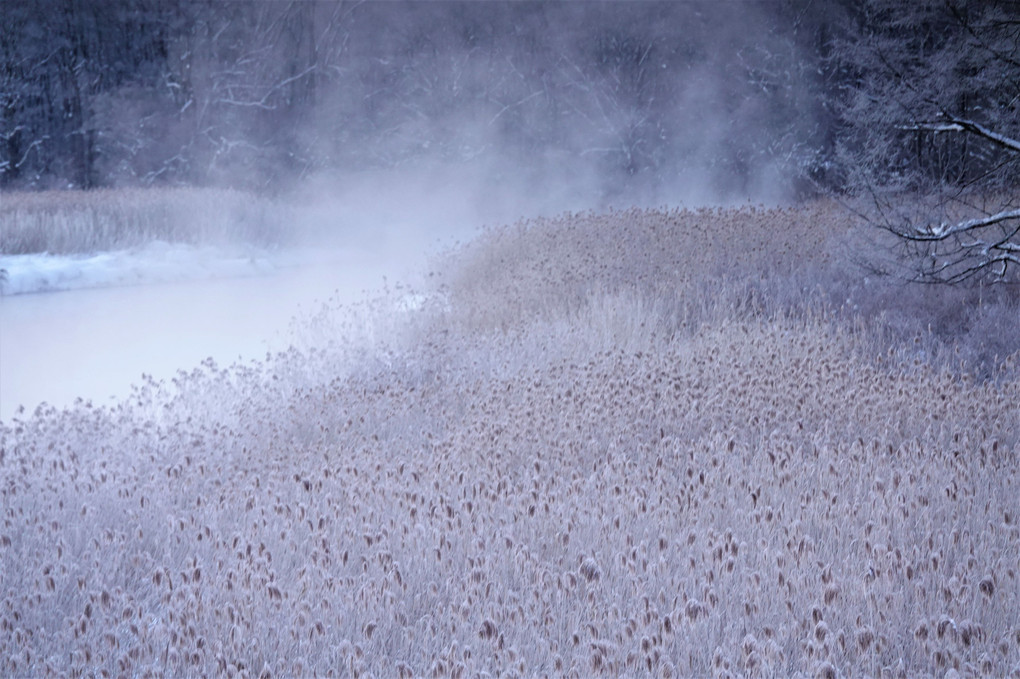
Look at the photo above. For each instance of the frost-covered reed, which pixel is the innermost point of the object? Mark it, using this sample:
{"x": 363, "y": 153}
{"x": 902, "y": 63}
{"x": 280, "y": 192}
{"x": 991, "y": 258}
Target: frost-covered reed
{"x": 73, "y": 222}
{"x": 637, "y": 444}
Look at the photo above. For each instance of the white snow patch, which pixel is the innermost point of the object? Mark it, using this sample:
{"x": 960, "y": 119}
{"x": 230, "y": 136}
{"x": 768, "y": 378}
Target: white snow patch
{"x": 155, "y": 263}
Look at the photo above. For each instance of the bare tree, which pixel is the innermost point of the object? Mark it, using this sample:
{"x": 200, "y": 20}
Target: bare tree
{"x": 931, "y": 143}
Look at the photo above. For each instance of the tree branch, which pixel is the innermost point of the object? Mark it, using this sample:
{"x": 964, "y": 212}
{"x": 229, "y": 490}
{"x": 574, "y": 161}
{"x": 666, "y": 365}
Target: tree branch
{"x": 932, "y": 233}
{"x": 955, "y": 124}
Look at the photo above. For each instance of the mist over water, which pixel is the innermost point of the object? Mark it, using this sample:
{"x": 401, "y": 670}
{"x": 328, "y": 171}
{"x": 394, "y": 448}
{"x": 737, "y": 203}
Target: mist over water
{"x": 347, "y": 239}
{"x": 99, "y": 323}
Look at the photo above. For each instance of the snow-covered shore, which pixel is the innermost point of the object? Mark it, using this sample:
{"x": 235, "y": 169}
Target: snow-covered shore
{"x": 155, "y": 263}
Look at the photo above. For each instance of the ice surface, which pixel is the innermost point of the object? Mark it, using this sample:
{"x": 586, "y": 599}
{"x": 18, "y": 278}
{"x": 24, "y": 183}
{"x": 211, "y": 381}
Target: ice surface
{"x": 110, "y": 317}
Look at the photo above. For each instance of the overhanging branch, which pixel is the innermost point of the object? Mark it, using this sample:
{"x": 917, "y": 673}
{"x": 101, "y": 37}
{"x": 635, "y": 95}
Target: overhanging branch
{"x": 940, "y": 232}
{"x": 955, "y": 124}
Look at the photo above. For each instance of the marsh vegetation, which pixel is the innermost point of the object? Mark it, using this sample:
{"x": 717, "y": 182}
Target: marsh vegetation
{"x": 642, "y": 442}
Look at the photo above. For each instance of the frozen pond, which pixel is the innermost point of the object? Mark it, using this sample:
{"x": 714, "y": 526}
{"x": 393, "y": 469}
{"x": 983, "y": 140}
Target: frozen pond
{"x": 94, "y": 343}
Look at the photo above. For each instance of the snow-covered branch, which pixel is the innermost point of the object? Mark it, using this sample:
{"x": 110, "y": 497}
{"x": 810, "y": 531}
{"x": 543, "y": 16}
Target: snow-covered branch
{"x": 954, "y": 124}
{"x": 932, "y": 232}
{"x": 961, "y": 251}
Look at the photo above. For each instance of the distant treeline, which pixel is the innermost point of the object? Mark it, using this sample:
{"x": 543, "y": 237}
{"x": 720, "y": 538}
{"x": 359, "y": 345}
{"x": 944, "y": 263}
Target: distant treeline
{"x": 140, "y": 92}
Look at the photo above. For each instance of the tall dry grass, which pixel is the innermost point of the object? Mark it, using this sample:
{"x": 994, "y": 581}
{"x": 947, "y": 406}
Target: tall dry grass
{"x": 74, "y": 222}
{"x": 637, "y": 444}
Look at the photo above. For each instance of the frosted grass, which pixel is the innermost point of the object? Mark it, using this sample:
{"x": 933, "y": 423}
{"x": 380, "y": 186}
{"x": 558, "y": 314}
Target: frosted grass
{"x": 644, "y": 443}
{"x": 86, "y": 222}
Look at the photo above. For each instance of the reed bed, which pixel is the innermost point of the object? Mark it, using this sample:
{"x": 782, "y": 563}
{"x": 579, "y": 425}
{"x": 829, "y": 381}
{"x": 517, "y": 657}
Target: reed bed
{"x": 82, "y": 222}
{"x": 647, "y": 443}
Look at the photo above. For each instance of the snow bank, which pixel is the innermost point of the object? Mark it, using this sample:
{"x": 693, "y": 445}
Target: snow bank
{"x": 157, "y": 262}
